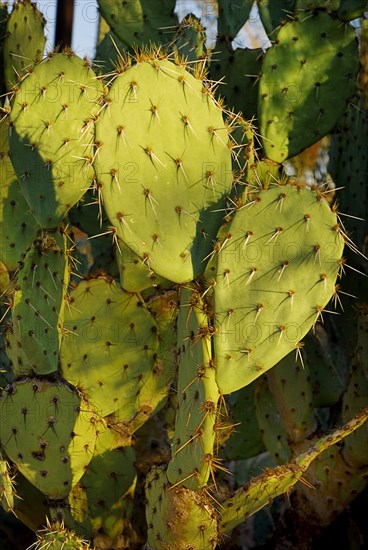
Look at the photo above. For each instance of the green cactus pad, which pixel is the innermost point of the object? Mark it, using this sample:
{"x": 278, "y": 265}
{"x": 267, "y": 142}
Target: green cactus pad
{"x": 140, "y": 22}
{"x": 160, "y": 194}
{"x": 7, "y": 491}
{"x": 232, "y": 16}
{"x": 178, "y": 518}
{"x": 194, "y": 438}
{"x": 330, "y": 5}
{"x": 190, "y": 41}
{"x": 351, "y": 9}
{"x": 273, "y": 14}
{"x": 112, "y": 349}
{"x": 38, "y": 308}
{"x": 49, "y": 433}
{"x": 17, "y": 225}
{"x": 3, "y": 24}
{"x": 331, "y": 483}
{"x": 348, "y": 166}
{"x": 24, "y": 41}
{"x": 289, "y": 385}
{"x": 303, "y": 94}
{"x": 239, "y": 72}
{"x": 261, "y": 490}
{"x": 328, "y": 368}
{"x": 276, "y": 271}
{"x": 30, "y": 505}
{"x": 58, "y": 538}
{"x": 52, "y": 141}
{"x": 135, "y": 275}
{"x": 361, "y": 351}
{"x": 20, "y": 365}
{"x": 246, "y": 440}
{"x": 103, "y": 499}
{"x": 355, "y": 449}
{"x": 273, "y": 432}
{"x": 108, "y": 52}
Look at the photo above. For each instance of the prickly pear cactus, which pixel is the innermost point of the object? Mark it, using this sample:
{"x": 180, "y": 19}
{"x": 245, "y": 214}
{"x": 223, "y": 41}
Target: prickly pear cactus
{"x": 39, "y": 300}
{"x": 51, "y": 136}
{"x": 48, "y": 432}
{"x": 24, "y": 41}
{"x": 276, "y": 271}
{"x": 300, "y": 98}
{"x": 112, "y": 351}
{"x": 160, "y": 268}
{"x": 177, "y": 187}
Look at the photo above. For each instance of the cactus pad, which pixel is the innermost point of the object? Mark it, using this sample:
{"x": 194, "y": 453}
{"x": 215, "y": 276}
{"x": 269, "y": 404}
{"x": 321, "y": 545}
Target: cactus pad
{"x": 301, "y": 96}
{"x": 138, "y": 22}
{"x": 17, "y": 225}
{"x": 49, "y": 433}
{"x": 276, "y": 271}
{"x": 160, "y": 194}
{"x": 103, "y": 499}
{"x": 178, "y": 518}
{"x": 38, "y": 308}
{"x": 192, "y": 460}
{"x": 24, "y": 41}
{"x": 112, "y": 350}
{"x": 51, "y": 141}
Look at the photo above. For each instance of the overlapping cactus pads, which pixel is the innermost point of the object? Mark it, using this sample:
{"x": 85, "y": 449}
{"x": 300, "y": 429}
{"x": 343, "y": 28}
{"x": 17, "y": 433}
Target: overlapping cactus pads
{"x": 52, "y": 135}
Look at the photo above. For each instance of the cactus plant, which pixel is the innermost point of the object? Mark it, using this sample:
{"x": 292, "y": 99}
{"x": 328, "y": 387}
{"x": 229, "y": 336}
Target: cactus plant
{"x": 164, "y": 280}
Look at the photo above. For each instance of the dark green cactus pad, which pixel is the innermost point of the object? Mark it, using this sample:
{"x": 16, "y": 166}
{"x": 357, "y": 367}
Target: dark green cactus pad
{"x": 52, "y": 137}
{"x": 273, "y": 14}
{"x": 108, "y": 52}
{"x": 331, "y": 483}
{"x": 348, "y": 166}
{"x": 329, "y": 366}
{"x": 272, "y": 430}
{"x": 160, "y": 194}
{"x": 190, "y": 41}
{"x": 89, "y": 215}
{"x": 361, "y": 351}
{"x": 19, "y": 364}
{"x": 17, "y": 225}
{"x": 239, "y": 71}
{"x": 352, "y": 9}
{"x": 329, "y": 5}
{"x": 112, "y": 350}
{"x": 140, "y": 22}
{"x": 232, "y": 16}
{"x": 178, "y": 518}
{"x": 30, "y": 505}
{"x": 246, "y": 440}
{"x": 38, "y": 308}
{"x": 261, "y": 490}
{"x": 302, "y": 95}
{"x": 355, "y": 450}
{"x": 102, "y": 502}
{"x": 49, "y": 432}
{"x": 7, "y": 374}
{"x": 289, "y": 383}
{"x": 24, "y": 41}
{"x": 192, "y": 461}
{"x": 276, "y": 270}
